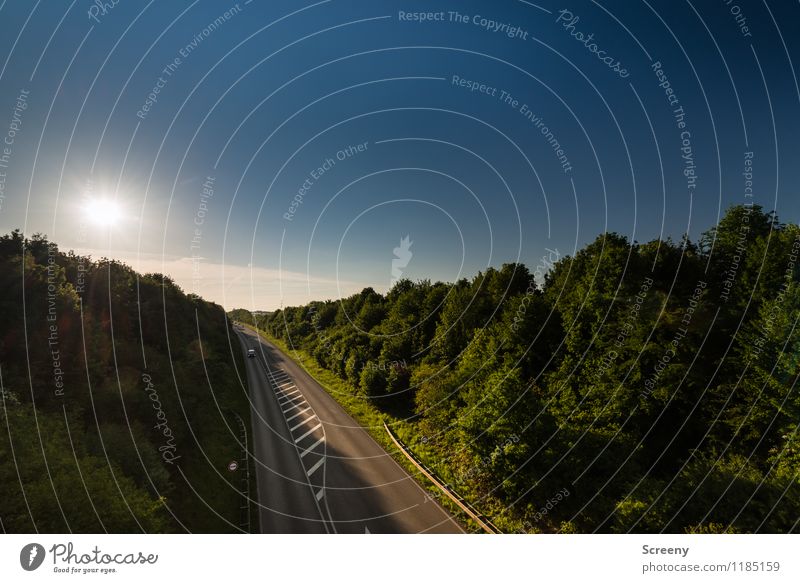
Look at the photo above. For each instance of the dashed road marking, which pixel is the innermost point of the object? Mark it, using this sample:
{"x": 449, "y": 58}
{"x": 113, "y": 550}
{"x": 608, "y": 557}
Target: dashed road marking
{"x": 303, "y": 422}
{"x": 298, "y": 414}
{"x": 311, "y": 448}
{"x": 286, "y": 395}
{"x": 309, "y": 432}
{"x": 293, "y": 407}
{"x": 291, "y": 400}
{"x": 316, "y": 466}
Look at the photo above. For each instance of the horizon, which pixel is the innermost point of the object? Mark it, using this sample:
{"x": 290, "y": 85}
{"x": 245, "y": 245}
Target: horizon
{"x": 184, "y": 280}
{"x": 249, "y": 141}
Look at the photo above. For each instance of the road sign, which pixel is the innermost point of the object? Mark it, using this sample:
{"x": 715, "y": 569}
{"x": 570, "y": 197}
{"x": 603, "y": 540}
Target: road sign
{"x": 233, "y": 466}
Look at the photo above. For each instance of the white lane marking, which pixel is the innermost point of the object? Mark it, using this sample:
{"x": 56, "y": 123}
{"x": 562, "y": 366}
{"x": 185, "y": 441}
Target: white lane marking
{"x": 303, "y": 422}
{"x": 286, "y": 395}
{"x": 298, "y": 414}
{"x": 309, "y": 432}
{"x": 290, "y": 397}
{"x": 295, "y": 406}
{"x": 315, "y": 467}
{"x": 284, "y": 400}
{"x": 310, "y": 449}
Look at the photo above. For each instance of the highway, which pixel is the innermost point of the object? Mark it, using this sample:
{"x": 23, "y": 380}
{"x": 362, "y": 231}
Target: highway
{"x": 317, "y": 469}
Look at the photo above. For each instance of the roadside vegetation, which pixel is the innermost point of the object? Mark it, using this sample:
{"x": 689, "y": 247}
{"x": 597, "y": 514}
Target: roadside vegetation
{"x": 118, "y": 399}
{"x": 641, "y": 387}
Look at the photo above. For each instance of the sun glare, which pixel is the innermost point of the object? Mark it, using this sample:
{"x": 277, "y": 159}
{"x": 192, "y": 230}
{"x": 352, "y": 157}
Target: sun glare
{"x": 103, "y": 212}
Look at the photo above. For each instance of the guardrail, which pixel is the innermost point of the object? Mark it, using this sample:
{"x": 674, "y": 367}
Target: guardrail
{"x": 484, "y": 522}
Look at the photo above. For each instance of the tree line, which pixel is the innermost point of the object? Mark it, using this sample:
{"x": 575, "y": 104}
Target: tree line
{"x": 118, "y": 398}
{"x": 641, "y": 387}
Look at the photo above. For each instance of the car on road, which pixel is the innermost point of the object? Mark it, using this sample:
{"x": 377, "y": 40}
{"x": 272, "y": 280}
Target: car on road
{"x": 251, "y": 353}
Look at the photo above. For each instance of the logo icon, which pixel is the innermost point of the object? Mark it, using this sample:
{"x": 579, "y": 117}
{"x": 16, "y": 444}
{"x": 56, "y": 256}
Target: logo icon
{"x": 402, "y": 255}
{"x": 31, "y": 556}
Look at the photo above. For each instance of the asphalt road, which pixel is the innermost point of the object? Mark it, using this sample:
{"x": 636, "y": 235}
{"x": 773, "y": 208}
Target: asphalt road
{"x": 317, "y": 470}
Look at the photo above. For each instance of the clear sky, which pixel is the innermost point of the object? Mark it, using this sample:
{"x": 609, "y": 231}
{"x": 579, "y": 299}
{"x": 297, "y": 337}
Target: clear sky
{"x": 270, "y": 152}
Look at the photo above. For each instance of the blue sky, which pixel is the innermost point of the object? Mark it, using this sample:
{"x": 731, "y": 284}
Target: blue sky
{"x": 260, "y": 100}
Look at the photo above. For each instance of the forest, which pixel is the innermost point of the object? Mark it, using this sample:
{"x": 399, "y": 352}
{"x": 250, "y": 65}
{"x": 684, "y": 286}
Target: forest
{"x": 120, "y": 397}
{"x": 629, "y": 387}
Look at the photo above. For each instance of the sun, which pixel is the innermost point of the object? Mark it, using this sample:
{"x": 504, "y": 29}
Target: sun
{"x": 103, "y": 212}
